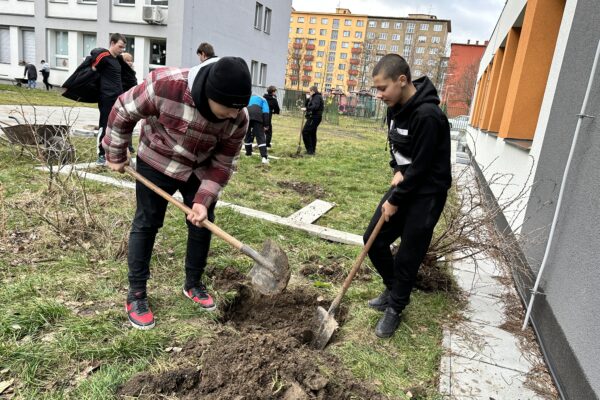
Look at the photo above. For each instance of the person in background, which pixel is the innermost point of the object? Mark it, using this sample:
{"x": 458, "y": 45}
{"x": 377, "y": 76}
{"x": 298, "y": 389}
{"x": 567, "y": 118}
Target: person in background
{"x": 193, "y": 124}
{"x": 111, "y": 86}
{"x": 45, "y": 74}
{"x": 419, "y": 138}
{"x": 271, "y": 98}
{"x": 258, "y": 110}
{"x": 205, "y": 51}
{"x": 30, "y": 73}
{"x": 313, "y": 108}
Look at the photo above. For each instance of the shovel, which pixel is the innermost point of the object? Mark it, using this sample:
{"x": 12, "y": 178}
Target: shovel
{"x": 326, "y": 318}
{"x": 271, "y": 272}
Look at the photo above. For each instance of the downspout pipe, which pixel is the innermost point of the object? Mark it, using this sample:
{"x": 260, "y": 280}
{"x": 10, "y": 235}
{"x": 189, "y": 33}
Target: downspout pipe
{"x": 580, "y": 117}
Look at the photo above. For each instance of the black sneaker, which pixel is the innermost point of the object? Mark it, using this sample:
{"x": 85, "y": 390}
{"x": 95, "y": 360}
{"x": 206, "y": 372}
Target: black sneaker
{"x": 138, "y": 311}
{"x": 381, "y": 302}
{"x": 387, "y": 325}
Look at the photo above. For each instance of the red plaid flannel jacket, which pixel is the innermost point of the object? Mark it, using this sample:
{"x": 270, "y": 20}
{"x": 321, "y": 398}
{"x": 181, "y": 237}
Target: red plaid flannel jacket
{"x": 175, "y": 138}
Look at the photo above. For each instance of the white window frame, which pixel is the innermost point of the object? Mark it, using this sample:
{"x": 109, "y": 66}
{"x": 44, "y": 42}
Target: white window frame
{"x": 258, "y": 15}
{"x": 5, "y": 58}
{"x": 300, "y": 19}
{"x": 59, "y": 56}
{"x": 410, "y": 27}
{"x": 383, "y": 36}
{"x": 398, "y": 25}
{"x": 267, "y": 22}
{"x": 385, "y": 24}
{"x": 381, "y": 47}
{"x": 437, "y": 27}
{"x": 395, "y": 36}
{"x": 262, "y": 76}
{"x": 424, "y": 27}
{"x": 372, "y": 24}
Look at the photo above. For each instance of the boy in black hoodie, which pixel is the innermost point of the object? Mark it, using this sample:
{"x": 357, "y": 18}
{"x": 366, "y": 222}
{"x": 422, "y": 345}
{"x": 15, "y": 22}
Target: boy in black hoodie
{"x": 419, "y": 138}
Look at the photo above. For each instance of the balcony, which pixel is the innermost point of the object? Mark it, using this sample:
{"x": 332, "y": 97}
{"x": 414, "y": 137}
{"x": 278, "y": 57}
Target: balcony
{"x": 297, "y": 45}
{"x": 352, "y": 72}
{"x": 295, "y": 66}
{"x": 306, "y": 78}
{"x": 354, "y": 61}
{"x": 309, "y": 57}
{"x": 310, "y": 46}
{"x": 356, "y": 50}
{"x": 307, "y": 67}
{"x": 351, "y": 82}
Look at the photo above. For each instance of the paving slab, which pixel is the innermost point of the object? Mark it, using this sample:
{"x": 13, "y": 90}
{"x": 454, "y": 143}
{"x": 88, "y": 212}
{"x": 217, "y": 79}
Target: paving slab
{"x": 311, "y": 212}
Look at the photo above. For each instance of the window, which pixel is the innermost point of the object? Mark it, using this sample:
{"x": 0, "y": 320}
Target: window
{"x": 385, "y": 24}
{"x": 332, "y": 45}
{"x": 267, "y": 25}
{"x": 418, "y": 72}
{"x": 398, "y": 25}
{"x": 61, "y": 49}
{"x": 406, "y": 52}
{"x": 431, "y": 62}
{"x": 87, "y": 1}
{"x": 340, "y": 77}
{"x": 435, "y": 39}
{"x": 381, "y": 47}
{"x": 313, "y": 20}
{"x": 164, "y": 3}
{"x": 346, "y": 34}
{"x": 408, "y": 39}
{"x": 371, "y": 35}
{"x": 320, "y": 53}
{"x": 433, "y": 50}
{"x": 262, "y": 77}
{"x": 334, "y": 34}
{"x": 324, "y": 21}
{"x": 343, "y": 56}
{"x": 317, "y": 75}
{"x": 420, "y": 50}
{"x": 395, "y": 36}
{"x": 345, "y": 45}
{"x": 294, "y": 83}
{"x": 158, "y": 52}
{"x": 89, "y": 43}
{"x": 258, "y": 12}
{"x": 330, "y": 67}
{"x": 311, "y": 31}
{"x": 360, "y": 23}
{"x": 298, "y": 40}
{"x": 410, "y": 27}
{"x": 254, "y": 71}
{"x": 28, "y": 45}
{"x": 331, "y": 57}
{"x": 422, "y": 39}
{"x": 424, "y": 27}
{"x": 372, "y": 24}
{"x": 356, "y": 45}
{"x": 378, "y": 58}
{"x": 358, "y": 35}
{"x": 342, "y": 67}
{"x": 299, "y": 30}
{"x": 418, "y": 61}
{"x": 300, "y": 19}
{"x": 125, "y": 2}
{"x": 394, "y": 48}
{"x": 319, "y": 64}
{"x": 321, "y": 43}
{"x": 348, "y": 22}
{"x": 4, "y": 46}
{"x": 323, "y": 32}
{"x": 383, "y": 36}
{"x": 437, "y": 27}
{"x": 369, "y": 46}
{"x": 336, "y": 23}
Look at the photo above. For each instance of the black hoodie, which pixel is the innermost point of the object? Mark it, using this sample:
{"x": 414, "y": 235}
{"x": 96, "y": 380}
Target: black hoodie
{"x": 419, "y": 137}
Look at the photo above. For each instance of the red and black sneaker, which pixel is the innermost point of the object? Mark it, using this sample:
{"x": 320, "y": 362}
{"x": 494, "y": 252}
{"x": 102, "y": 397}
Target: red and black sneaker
{"x": 199, "y": 295}
{"x": 138, "y": 311}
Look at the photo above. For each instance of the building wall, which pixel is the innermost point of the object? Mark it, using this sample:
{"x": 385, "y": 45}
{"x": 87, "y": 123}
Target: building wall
{"x": 229, "y": 27}
{"x": 461, "y": 77}
{"x": 565, "y": 313}
{"x": 377, "y": 36}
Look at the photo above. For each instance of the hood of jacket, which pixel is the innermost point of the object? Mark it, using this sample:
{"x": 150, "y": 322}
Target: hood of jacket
{"x": 197, "y": 76}
{"x": 426, "y": 93}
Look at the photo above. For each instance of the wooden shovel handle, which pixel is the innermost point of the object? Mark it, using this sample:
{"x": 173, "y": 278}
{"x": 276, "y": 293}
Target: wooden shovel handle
{"x": 357, "y": 264}
{"x": 206, "y": 223}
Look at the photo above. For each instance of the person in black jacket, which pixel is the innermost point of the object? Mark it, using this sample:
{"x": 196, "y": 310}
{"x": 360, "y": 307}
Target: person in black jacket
{"x": 30, "y": 73}
{"x": 419, "y": 138}
{"x": 108, "y": 66}
{"x": 271, "y": 98}
{"x": 314, "y": 107}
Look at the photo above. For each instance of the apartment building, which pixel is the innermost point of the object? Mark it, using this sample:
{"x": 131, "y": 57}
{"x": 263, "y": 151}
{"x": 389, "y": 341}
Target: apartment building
{"x": 339, "y": 50}
{"x": 535, "y": 123}
{"x": 159, "y": 33}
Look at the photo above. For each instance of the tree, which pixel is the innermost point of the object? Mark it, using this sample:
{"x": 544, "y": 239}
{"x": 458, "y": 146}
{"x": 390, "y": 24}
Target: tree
{"x": 464, "y": 85}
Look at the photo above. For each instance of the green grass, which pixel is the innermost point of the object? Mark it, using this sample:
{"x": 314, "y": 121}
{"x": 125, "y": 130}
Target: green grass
{"x": 64, "y": 313}
{"x": 11, "y": 94}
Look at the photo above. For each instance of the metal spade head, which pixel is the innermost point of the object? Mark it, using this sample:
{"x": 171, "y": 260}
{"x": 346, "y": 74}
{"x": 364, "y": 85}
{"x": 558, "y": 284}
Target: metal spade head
{"x": 271, "y": 277}
{"x": 327, "y": 325}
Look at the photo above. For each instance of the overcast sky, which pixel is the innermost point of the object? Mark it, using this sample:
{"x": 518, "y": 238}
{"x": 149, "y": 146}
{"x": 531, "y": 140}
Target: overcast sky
{"x": 471, "y": 19}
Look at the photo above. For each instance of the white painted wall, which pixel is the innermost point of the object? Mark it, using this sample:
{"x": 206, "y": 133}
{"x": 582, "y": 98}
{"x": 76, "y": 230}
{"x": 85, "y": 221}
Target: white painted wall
{"x": 127, "y": 12}
{"x": 17, "y": 7}
{"x": 72, "y": 9}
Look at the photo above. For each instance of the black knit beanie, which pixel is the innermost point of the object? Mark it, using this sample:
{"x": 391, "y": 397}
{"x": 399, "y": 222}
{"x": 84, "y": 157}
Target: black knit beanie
{"x": 229, "y": 83}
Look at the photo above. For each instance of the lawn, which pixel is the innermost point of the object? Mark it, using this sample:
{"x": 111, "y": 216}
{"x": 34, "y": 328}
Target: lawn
{"x": 63, "y": 331}
{"x": 11, "y": 94}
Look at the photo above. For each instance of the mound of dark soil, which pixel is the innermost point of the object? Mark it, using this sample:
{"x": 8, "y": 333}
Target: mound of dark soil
{"x": 303, "y": 188}
{"x": 260, "y": 352}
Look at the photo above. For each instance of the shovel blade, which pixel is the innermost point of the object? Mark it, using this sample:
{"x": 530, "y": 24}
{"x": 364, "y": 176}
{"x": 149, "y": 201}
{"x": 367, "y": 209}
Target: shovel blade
{"x": 327, "y": 325}
{"x": 271, "y": 279}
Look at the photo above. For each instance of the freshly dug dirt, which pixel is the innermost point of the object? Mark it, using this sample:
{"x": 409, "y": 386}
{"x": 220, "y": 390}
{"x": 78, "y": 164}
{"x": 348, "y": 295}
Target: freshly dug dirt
{"x": 261, "y": 351}
{"x": 303, "y": 188}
